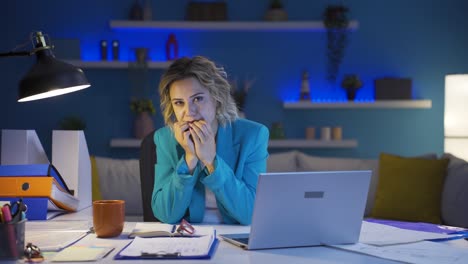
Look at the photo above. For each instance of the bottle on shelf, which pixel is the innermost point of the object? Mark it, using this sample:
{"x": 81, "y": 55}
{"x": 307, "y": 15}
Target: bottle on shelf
{"x": 172, "y": 48}
{"x": 103, "y": 45}
{"x": 305, "y": 88}
{"x": 115, "y": 49}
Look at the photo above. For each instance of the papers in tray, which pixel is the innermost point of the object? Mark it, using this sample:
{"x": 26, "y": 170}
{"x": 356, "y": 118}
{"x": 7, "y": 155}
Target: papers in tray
{"x": 55, "y": 235}
{"x": 156, "y": 229}
{"x": 424, "y": 252}
{"x": 189, "y": 247}
{"x": 383, "y": 235}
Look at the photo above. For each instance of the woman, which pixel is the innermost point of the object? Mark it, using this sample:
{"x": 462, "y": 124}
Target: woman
{"x": 208, "y": 159}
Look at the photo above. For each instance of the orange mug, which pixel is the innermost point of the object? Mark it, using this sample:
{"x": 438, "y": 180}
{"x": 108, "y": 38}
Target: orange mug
{"x": 108, "y": 217}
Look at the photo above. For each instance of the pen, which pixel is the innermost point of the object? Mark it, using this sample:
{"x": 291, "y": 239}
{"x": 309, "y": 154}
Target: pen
{"x": 10, "y": 230}
{"x": 6, "y": 214}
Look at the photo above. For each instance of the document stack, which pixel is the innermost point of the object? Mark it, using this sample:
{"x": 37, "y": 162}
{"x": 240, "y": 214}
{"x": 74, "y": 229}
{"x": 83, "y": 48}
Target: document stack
{"x": 40, "y": 186}
{"x": 165, "y": 241}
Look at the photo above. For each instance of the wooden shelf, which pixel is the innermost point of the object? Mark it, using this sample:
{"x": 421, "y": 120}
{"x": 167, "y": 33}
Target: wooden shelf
{"x": 224, "y": 25}
{"x": 308, "y": 143}
{"x": 286, "y": 143}
{"x": 125, "y": 143}
{"x": 423, "y": 104}
{"x": 117, "y": 64}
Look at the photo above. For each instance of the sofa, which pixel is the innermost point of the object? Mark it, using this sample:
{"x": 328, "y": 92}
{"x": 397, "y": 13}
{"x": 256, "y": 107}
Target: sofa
{"x": 119, "y": 179}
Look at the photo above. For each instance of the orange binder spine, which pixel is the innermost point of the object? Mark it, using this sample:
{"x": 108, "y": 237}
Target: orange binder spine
{"x": 26, "y": 186}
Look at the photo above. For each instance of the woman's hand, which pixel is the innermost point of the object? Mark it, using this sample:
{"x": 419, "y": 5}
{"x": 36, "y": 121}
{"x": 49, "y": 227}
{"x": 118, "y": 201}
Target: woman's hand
{"x": 183, "y": 136}
{"x": 204, "y": 141}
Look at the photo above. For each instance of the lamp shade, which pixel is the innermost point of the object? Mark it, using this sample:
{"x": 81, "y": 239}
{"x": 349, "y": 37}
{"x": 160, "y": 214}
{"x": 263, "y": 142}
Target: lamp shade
{"x": 50, "y": 77}
{"x": 456, "y": 98}
{"x": 455, "y": 115}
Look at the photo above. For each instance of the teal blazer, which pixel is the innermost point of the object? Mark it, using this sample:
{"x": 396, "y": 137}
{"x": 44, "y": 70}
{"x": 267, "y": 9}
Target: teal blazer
{"x": 241, "y": 154}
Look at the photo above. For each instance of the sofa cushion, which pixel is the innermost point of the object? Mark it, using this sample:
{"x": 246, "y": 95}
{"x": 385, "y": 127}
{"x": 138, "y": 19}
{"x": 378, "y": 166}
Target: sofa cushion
{"x": 455, "y": 193}
{"x": 313, "y": 163}
{"x": 119, "y": 179}
{"x": 282, "y": 162}
{"x": 409, "y": 189}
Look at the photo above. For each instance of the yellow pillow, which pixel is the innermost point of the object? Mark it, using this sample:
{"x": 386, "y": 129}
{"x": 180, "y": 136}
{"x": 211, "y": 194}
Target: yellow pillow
{"x": 409, "y": 189}
{"x": 96, "y": 190}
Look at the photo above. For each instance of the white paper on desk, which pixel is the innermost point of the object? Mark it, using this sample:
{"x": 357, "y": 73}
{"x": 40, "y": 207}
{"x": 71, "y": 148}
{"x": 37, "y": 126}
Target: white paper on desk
{"x": 186, "y": 246}
{"x": 55, "y": 235}
{"x": 82, "y": 253}
{"x": 73, "y": 225}
{"x": 53, "y": 240}
{"x": 383, "y": 235}
{"x": 424, "y": 252}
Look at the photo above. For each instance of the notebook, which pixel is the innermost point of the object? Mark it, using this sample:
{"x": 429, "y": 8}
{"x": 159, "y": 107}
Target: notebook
{"x": 295, "y": 209}
{"x": 156, "y": 229}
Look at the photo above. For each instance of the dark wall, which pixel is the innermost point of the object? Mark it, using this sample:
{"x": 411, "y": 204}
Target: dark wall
{"x": 397, "y": 38}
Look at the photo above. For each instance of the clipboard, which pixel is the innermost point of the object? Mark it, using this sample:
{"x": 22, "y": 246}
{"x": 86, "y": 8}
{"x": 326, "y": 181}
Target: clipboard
{"x": 211, "y": 252}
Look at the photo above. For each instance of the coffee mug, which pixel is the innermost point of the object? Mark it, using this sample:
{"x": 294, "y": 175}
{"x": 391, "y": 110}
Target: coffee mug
{"x": 108, "y": 217}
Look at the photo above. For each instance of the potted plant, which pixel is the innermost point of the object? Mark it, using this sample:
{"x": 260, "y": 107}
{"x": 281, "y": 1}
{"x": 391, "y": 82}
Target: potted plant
{"x": 351, "y": 84}
{"x": 239, "y": 94}
{"x": 336, "y": 23}
{"x": 276, "y": 12}
{"x": 144, "y": 109}
{"x": 72, "y": 123}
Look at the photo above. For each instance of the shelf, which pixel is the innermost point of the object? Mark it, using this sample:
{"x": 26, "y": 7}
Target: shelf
{"x": 224, "y": 25}
{"x": 308, "y": 143}
{"x": 125, "y": 143}
{"x": 286, "y": 143}
{"x": 423, "y": 104}
{"x": 117, "y": 64}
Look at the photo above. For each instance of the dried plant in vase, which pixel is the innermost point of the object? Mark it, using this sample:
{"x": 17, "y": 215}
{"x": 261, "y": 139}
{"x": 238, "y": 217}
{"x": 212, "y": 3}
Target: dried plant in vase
{"x": 144, "y": 109}
{"x": 336, "y": 23}
{"x": 276, "y": 12}
{"x": 240, "y": 93}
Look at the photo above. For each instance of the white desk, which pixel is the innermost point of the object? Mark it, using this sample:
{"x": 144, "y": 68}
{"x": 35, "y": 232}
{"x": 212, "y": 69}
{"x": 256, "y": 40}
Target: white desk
{"x": 227, "y": 253}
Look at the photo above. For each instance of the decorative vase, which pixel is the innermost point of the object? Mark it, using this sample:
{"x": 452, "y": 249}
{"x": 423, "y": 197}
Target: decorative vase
{"x": 351, "y": 93}
{"x": 172, "y": 48}
{"x": 143, "y": 125}
{"x": 147, "y": 11}
{"x": 141, "y": 55}
{"x": 136, "y": 11}
{"x": 276, "y": 14}
{"x": 277, "y": 131}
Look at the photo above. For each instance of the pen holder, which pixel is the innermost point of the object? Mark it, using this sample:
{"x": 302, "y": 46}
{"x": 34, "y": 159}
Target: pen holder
{"x": 12, "y": 240}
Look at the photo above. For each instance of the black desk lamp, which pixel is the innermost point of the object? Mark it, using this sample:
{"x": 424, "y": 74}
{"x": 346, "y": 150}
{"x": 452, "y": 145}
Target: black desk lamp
{"x": 49, "y": 76}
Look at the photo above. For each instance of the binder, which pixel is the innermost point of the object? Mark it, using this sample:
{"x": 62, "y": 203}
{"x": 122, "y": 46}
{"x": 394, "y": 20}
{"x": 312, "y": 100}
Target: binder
{"x": 34, "y": 170}
{"x": 37, "y": 207}
{"x": 37, "y": 180}
{"x": 19, "y": 186}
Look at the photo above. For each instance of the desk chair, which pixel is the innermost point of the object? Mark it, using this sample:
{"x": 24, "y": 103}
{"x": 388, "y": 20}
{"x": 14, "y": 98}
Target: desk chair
{"x": 147, "y": 163}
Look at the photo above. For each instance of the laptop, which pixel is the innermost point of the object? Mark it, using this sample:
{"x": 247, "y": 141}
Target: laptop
{"x": 297, "y": 209}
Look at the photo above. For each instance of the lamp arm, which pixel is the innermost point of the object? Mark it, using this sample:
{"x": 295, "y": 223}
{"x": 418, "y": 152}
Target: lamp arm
{"x": 16, "y": 53}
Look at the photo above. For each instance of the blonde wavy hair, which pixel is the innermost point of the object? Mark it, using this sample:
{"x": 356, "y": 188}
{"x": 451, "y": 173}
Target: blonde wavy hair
{"x": 210, "y": 76}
